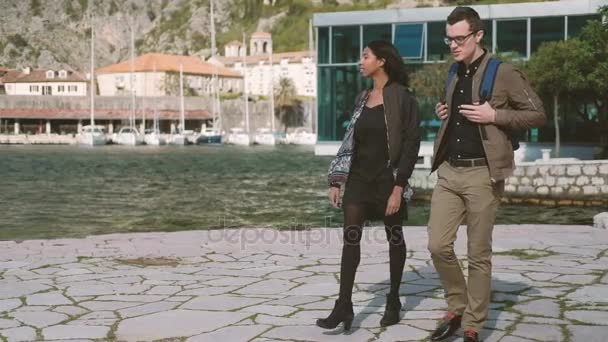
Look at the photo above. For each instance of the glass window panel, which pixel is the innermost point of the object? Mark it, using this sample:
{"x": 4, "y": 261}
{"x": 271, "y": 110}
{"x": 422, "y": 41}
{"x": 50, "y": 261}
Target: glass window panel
{"x": 338, "y": 88}
{"x": 409, "y": 40}
{"x": 548, "y": 29}
{"x": 437, "y": 50}
{"x": 487, "y": 35}
{"x": 576, "y": 23}
{"x": 345, "y": 44}
{"x": 511, "y": 37}
{"x": 323, "y": 48}
{"x": 377, "y": 32}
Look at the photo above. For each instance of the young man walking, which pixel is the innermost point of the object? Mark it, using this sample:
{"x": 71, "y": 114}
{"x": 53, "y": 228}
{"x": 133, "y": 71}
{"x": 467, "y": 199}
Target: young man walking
{"x": 473, "y": 156}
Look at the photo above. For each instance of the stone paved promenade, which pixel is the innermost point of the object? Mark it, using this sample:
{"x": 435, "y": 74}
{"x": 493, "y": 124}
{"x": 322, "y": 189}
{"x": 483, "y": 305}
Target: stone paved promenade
{"x": 550, "y": 284}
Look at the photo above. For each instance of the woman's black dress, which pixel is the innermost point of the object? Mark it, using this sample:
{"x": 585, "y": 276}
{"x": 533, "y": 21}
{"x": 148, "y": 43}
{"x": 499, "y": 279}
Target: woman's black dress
{"x": 370, "y": 182}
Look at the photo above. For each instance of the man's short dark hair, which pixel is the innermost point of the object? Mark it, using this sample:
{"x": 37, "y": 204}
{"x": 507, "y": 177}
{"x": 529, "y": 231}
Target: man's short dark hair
{"x": 466, "y": 13}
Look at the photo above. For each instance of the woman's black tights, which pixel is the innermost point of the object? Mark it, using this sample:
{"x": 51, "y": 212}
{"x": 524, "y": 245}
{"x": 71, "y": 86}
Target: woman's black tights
{"x": 354, "y": 218}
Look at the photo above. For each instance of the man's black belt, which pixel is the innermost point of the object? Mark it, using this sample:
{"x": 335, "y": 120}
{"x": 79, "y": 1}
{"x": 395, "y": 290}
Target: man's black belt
{"x": 467, "y": 162}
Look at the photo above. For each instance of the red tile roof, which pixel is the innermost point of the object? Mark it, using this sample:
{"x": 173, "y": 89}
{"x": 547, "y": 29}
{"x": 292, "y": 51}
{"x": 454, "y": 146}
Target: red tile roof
{"x": 169, "y": 63}
{"x": 101, "y": 114}
{"x": 293, "y": 57}
{"x": 260, "y": 34}
{"x": 36, "y": 76}
{"x": 234, "y": 42}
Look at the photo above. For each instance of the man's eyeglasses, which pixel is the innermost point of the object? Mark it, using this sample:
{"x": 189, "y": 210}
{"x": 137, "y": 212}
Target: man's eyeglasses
{"x": 459, "y": 40}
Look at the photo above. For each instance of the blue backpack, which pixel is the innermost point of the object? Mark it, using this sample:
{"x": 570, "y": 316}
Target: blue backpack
{"x": 486, "y": 89}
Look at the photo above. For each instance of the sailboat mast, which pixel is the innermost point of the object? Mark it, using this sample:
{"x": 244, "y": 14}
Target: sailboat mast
{"x": 156, "y": 126}
{"x": 271, "y": 91}
{"x": 181, "y": 97}
{"x": 132, "y": 74}
{"x": 311, "y": 48}
{"x": 213, "y": 74}
{"x": 92, "y": 75}
{"x": 245, "y": 89}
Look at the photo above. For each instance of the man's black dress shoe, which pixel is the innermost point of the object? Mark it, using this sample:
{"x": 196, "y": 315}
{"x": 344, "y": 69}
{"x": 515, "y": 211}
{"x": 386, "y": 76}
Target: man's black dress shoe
{"x": 449, "y": 325}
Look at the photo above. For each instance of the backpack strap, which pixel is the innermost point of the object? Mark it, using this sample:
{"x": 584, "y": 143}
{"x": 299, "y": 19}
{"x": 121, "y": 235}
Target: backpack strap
{"x": 451, "y": 74}
{"x": 489, "y": 76}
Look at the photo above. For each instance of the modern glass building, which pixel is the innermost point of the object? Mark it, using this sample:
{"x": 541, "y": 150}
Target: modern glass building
{"x": 512, "y": 29}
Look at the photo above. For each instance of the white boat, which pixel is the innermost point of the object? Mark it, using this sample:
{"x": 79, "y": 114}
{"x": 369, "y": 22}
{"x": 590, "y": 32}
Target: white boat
{"x": 128, "y": 136}
{"x": 209, "y": 136}
{"x": 92, "y": 136}
{"x": 178, "y": 139}
{"x": 238, "y": 136}
{"x": 264, "y": 136}
{"x": 301, "y": 137}
{"x": 154, "y": 138}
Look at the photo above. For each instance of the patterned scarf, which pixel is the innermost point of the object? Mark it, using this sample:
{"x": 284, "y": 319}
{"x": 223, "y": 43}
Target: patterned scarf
{"x": 340, "y": 166}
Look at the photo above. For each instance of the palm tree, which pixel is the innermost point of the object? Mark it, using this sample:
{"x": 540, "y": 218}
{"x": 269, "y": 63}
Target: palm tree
{"x": 288, "y": 106}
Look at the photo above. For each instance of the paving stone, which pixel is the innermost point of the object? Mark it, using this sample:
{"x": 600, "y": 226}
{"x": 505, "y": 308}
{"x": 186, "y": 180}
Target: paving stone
{"x": 314, "y": 290}
{"x": 9, "y": 289}
{"x": 488, "y": 335}
{"x": 108, "y": 305}
{"x": 498, "y": 324}
{"x": 295, "y": 300}
{"x": 144, "y": 291}
{"x": 175, "y": 323}
{"x": 314, "y": 333}
{"x": 273, "y": 310}
{"x": 588, "y": 333}
{"x": 542, "y": 307}
{"x": 403, "y": 333}
{"x": 515, "y": 339}
{"x": 68, "y": 332}
{"x": 551, "y": 292}
{"x": 221, "y": 302}
{"x": 73, "y": 271}
{"x": 9, "y": 304}
{"x": 19, "y": 334}
{"x": 576, "y": 279}
{"x": 539, "y": 276}
{"x": 540, "y": 332}
{"x": 40, "y": 319}
{"x": 588, "y": 317}
{"x": 433, "y": 315}
{"x": 36, "y": 308}
{"x": 47, "y": 298}
{"x": 109, "y": 289}
{"x": 246, "y": 322}
{"x": 543, "y": 320}
{"x": 288, "y": 275}
{"x": 147, "y": 309}
{"x": 164, "y": 290}
{"x": 208, "y": 291}
{"x": 70, "y": 310}
{"x": 8, "y": 323}
{"x": 132, "y": 298}
{"x": 272, "y": 286}
{"x": 425, "y": 324}
{"x": 317, "y": 279}
{"x": 178, "y": 299}
{"x": 232, "y": 281}
{"x": 283, "y": 321}
{"x": 232, "y": 334}
{"x": 422, "y": 303}
{"x": 502, "y": 315}
{"x": 593, "y": 294}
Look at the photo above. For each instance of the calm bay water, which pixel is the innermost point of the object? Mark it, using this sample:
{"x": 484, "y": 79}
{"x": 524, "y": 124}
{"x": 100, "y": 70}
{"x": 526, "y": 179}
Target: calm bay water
{"x": 66, "y": 191}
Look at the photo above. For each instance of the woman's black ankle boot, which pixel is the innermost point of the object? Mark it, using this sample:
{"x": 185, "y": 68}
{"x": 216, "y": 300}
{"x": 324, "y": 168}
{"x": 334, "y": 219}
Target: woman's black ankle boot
{"x": 342, "y": 312}
{"x": 391, "y": 313}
